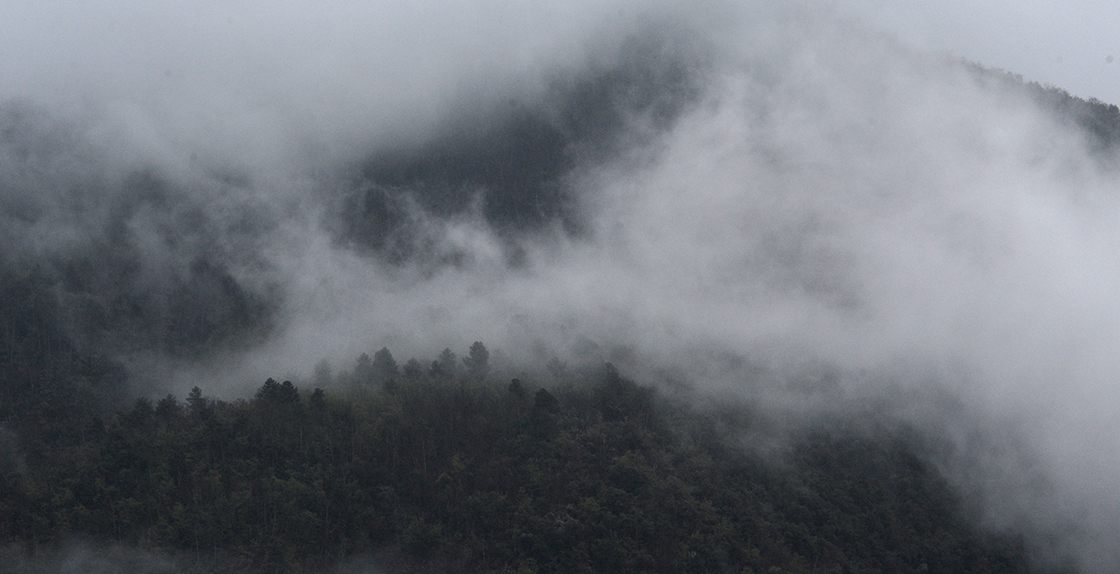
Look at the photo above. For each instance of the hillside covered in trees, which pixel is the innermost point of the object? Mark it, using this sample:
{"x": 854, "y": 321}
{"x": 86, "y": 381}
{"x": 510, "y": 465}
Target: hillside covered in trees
{"x": 1098, "y": 121}
{"x": 654, "y": 198}
{"x": 445, "y": 469}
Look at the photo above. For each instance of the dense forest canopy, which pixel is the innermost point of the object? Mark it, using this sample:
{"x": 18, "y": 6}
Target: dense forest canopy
{"x": 590, "y": 472}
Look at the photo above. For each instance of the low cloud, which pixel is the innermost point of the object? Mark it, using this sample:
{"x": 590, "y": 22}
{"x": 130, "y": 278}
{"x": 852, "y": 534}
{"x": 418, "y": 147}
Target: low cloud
{"x": 223, "y": 192}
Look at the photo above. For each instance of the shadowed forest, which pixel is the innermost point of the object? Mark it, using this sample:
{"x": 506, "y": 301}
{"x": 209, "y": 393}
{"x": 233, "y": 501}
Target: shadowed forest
{"x": 447, "y": 469}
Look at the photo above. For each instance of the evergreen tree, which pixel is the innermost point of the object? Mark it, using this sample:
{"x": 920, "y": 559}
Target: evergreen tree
{"x": 412, "y": 369}
{"x": 168, "y": 409}
{"x": 516, "y": 388}
{"x": 384, "y": 367}
{"x": 478, "y": 362}
{"x": 445, "y": 366}
{"x": 363, "y": 370}
{"x": 196, "y": 403}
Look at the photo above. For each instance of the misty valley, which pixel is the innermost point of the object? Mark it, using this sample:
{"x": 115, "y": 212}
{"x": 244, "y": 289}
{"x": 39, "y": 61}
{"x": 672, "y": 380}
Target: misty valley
{"x": 730, "y": 288}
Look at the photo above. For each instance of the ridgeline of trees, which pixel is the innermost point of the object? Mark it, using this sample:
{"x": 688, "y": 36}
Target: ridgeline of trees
{"x": 447, "y": 469}
{"x": 1099, "y": 121}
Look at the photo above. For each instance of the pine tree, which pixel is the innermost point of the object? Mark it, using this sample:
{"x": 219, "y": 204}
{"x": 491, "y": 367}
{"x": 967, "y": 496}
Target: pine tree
{"x": 478, "y": 362}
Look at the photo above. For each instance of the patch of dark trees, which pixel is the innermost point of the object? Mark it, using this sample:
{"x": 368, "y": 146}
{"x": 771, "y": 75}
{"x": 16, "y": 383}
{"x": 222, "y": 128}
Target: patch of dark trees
{"x": 1098, "y": 120}
{"x": 450, "y": 468}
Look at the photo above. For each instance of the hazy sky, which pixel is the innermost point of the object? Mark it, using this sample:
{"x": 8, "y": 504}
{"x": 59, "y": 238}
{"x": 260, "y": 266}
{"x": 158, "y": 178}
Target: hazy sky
{"x": 1062, "y": 43}
{"x": 1067, "y": 44}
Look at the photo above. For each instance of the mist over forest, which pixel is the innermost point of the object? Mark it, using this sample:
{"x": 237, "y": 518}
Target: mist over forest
{"x": 751, "y": 252}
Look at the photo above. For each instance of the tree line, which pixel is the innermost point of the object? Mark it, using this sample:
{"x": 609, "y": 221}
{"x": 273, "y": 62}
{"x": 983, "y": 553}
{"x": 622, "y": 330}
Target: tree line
{"x": 453, "y": 469}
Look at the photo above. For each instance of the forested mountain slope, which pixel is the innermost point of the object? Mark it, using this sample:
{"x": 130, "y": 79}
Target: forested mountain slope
{"x": 931, "y": 224}
{"x": 593, "y": 473}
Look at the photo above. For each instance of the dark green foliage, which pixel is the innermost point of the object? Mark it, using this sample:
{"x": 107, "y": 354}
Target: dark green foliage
{"x": 620, "y": 399}
{"x": 197, "y": 403}
{"x": 168, "y": 409}
{"x": 363, "y": 370}
{"x": 516, "y": 388}
{"x": 606, "y": 477}
{"x": 318, "y": 400}
{"x": 384, "y": 367}
{"x": 545, "y": 403}
{"x": 478, "y": 362}
{"x": 445, "y": 366}
{"x": 412, "y": 370}
{"x": 273, "y": 393}
{"x": 50, "y": 390}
